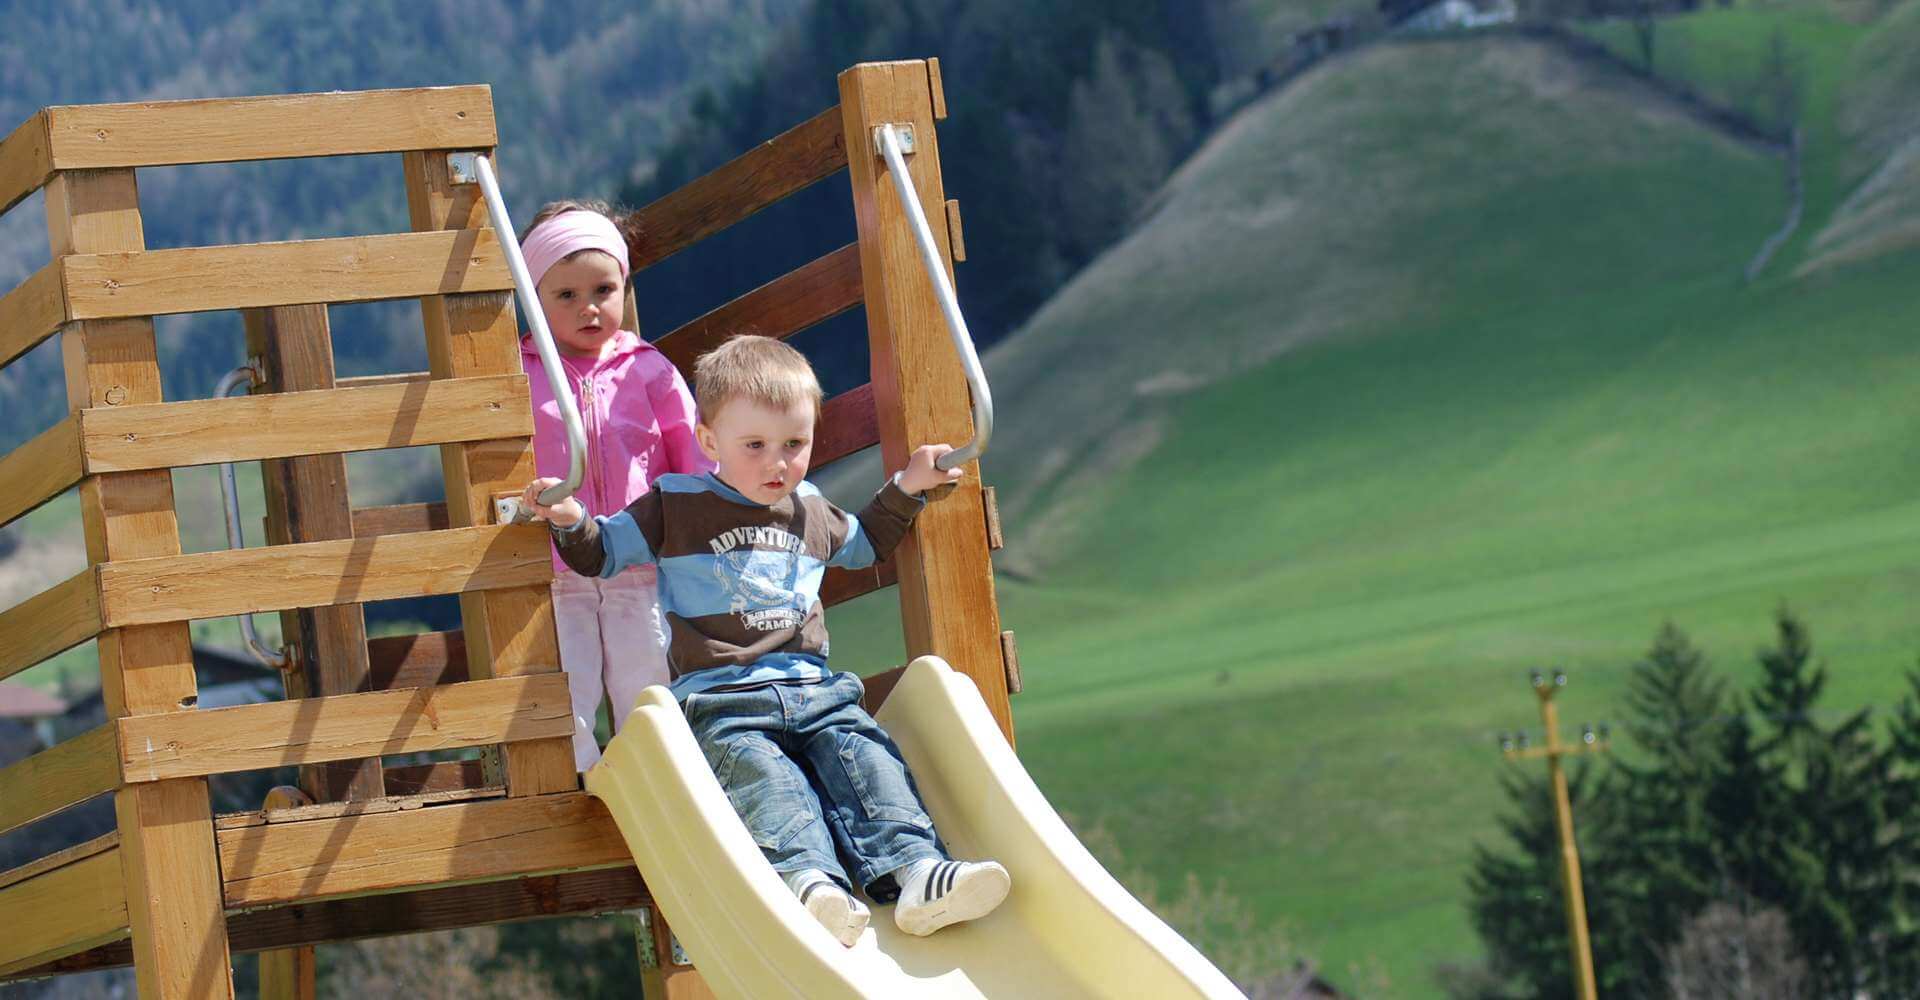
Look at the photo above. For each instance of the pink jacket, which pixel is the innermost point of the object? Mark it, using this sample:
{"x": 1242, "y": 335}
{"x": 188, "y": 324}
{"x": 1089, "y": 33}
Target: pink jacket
{"x": 638, "y": 416}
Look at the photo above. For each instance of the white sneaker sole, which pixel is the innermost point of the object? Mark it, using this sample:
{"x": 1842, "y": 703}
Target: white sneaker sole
{"x": 974, "y": 896}
{"x": 841, "y": 920}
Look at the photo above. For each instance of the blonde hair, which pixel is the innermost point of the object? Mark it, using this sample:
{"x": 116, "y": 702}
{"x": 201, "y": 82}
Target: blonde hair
{"x": 759, "y": 369}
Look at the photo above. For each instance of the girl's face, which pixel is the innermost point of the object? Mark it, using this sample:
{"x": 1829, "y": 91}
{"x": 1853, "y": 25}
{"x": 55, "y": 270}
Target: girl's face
{"x": 583, "y": 298}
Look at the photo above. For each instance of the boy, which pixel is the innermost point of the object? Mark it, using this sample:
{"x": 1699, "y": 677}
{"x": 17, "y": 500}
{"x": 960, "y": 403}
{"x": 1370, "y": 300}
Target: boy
{"x": 741, "y": 552}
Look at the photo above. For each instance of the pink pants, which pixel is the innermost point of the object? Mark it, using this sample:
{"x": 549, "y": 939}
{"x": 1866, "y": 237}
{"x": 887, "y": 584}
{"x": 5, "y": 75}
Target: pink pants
{"x": 613, "y": 644}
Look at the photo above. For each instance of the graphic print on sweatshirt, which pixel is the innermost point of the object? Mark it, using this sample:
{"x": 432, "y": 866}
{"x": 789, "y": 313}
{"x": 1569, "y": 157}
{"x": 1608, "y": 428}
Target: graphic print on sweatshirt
{"x": 759, "y": 569}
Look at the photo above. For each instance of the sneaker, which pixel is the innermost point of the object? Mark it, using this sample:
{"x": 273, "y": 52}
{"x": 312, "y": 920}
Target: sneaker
{"x": 935, "y": 893}
{"x": 842, "y": 915}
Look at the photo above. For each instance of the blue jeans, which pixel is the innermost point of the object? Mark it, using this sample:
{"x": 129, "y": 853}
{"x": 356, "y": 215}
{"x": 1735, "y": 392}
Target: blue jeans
{"x": 808, "y": 770}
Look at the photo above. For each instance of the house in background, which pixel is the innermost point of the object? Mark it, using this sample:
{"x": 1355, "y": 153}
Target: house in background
{"x": 27, "y": 720}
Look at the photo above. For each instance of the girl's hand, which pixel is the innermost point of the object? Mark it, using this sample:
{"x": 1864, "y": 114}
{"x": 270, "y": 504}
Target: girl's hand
{"x": 921, "y": 475}
{"x": 565, "y": 514}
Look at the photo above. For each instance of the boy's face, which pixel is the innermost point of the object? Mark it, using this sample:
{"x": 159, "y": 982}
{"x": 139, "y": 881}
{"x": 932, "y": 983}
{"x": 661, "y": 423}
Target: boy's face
{"x": 760, "y": 450}
{"x": 583, "y": 299}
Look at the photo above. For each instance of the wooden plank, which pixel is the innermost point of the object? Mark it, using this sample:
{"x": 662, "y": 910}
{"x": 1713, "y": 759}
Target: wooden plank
{"x": 879, "y": 686}
{"x": 669, "y": 976}
{"x": 343, "y": 727}
{"x": 317, "y": 422}
{"x": 990, "y": 501}
{"x": 63, "y": 775}
{"x": 956, "y": 240}
{"x": 813, "y": 293}
{"x": 439, "y": 776}
{"x": 938, "y": 90}
{"x": 604, "y": 890}
{"x": 409, "y": 661}
{"x": 25, "y": 161}
{"x": 399, "y": 519}
{"x": 842, "y": 585}
{"x": 50, "y": 622}
{"x": 155, "y": 133}
{"x": 508, "y": 632}
{"x": 39, "y": 470}
{"x": 287, "y": 973}
{"x": 470, "y": 841}
{"x": 335, "y": 810}
{"x": 947, "y": 602}
{"x": 307, "y": 501}
{"x": 67, "y": 910}
{"x": 1010, "y": 657}
{"x": 259, "y": 275}
{"x": 59, "y": 859}
{"x": 792, "y": 160}
{"x": 848, "y": 423}
{"x": 313, "y": 574}
{"x": 167, "y": 861}
{"x": 395, "y": 378}
{"x": 31, "y": 312}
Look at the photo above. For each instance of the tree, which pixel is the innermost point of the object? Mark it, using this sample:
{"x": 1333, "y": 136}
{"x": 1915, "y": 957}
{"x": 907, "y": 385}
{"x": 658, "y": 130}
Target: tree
{"x": 1666, "y": 852}
{"x": 1518, "y": 903}
{"x": 1738, "y": 847}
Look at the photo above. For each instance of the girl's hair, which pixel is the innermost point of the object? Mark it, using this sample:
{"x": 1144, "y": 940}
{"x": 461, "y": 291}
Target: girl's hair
{"x": 759, "y": 369}
{"x": 624, "y": 221}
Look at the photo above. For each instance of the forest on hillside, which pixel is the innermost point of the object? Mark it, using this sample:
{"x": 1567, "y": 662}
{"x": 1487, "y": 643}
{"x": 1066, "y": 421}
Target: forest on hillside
{"x": 584, "y": 94}
{"x": 1064, "y": 112}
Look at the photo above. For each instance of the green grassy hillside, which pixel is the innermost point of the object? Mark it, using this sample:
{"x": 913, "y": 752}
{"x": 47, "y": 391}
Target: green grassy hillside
{"x": 1429, "y": 369}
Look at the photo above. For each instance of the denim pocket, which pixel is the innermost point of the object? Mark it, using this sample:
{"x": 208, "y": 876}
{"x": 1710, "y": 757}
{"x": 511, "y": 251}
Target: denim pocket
{"x": 879, "y": 781}
{"x": 767, "y": 790}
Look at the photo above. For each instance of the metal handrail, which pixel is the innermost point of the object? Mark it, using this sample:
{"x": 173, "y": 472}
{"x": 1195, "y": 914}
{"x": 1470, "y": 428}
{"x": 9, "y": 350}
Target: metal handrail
{"x": 510, "y": 510}
{"x": 230, "y": 493}
{"x": 887, "y": 137}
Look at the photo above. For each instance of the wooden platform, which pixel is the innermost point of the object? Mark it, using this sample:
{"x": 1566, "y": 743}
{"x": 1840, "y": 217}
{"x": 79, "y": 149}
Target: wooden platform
{"x": 338, "y": 871}
{"x": 389, "y": 847}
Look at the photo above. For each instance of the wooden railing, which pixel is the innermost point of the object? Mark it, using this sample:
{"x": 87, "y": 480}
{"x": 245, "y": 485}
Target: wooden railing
{"x": 190, "y": 887}
{"x": 166, "y": 869}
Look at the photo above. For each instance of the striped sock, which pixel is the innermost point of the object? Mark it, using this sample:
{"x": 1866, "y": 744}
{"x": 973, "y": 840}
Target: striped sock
{"x": 842, "y": 915}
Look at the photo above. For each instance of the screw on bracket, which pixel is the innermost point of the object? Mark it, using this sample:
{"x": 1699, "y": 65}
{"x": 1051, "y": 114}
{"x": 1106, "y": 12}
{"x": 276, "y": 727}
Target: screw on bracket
{"x": 462, "y": 169}
{"x": 902, "y": 133}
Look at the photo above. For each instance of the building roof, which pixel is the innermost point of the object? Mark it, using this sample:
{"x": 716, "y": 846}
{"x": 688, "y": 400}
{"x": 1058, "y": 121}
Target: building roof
{"x": 18, "y": 701}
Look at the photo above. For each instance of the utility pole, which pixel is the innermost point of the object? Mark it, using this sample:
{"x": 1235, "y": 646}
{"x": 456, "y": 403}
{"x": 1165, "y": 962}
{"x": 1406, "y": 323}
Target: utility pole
{"x": 1515, "y": 747}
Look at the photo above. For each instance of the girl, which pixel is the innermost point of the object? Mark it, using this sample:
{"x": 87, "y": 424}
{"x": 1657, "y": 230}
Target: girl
{"x": 639, "y": 419}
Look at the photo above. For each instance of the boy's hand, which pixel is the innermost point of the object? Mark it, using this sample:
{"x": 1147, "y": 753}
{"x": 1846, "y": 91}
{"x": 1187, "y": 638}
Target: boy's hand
{"x": 921, "y": 475}
{"x": 565, "y": 514}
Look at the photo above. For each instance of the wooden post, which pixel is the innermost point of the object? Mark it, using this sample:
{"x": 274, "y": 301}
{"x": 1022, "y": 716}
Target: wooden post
{"x": 509, "y": 632}
{"x": 1579, "y": 945}
{"x": 288, "y": 973}
{"x": 167, "y": 853}
{"x": 307, "y": 502}
{"x": 1577, "y": 940}
{"x": 666, "y": 975}
{"x": 947, "y": 603}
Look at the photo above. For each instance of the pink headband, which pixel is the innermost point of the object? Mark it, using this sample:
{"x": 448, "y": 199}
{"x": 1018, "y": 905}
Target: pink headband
{"x": 569, "y": 233}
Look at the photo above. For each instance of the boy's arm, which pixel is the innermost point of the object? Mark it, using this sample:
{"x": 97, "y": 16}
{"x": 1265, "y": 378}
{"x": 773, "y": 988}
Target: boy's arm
{"x": 872, "y": 534}
{"x": 603, "y": 546}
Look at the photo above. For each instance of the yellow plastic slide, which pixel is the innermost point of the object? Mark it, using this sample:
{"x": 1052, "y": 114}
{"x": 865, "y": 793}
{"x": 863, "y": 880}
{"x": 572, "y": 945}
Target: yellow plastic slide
{"x": 1066, "y": 930}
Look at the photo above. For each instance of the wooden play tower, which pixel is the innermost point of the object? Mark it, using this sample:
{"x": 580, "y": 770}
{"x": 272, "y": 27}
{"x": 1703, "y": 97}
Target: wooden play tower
{"x": 364, "y": 848}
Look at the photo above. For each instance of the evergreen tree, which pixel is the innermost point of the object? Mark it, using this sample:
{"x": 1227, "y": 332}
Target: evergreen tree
{"x": 1669, "y": 869}
{"x": 1722, "y": 816}
{"x": 1518, "y": 904}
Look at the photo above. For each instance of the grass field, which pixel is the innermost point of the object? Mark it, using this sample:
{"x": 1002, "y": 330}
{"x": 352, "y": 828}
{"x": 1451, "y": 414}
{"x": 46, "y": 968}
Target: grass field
{"x": 1276, "y": 649}
{"x": 1429, "y": 369}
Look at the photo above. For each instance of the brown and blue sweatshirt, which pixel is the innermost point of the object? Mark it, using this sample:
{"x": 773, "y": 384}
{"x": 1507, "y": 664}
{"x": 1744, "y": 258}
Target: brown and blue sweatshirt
{"x": 739, "y": 580}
